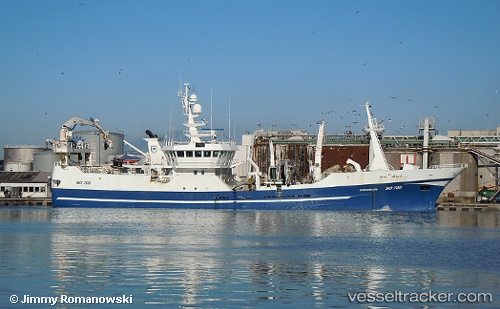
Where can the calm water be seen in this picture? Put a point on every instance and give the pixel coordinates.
(233, 259)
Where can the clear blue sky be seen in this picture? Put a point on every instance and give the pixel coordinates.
(282, 62)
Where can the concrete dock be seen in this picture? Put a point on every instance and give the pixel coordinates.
(26, 201)
(472, 207)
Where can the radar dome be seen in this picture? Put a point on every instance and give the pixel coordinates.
(197, 109)
(193, 98)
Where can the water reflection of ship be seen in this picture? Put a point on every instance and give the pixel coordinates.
(182, 256)
(188, 254)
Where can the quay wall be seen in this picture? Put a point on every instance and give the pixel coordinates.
(26, 201)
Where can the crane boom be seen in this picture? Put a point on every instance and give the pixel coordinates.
(66, 146)
(70, 125)
(135, 148)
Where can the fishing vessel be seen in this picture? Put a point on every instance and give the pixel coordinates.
(198, 174)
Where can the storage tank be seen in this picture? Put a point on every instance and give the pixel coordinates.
(19, 158)
(44, 161)
(97, 142)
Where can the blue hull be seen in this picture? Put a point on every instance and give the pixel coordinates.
(397, 197)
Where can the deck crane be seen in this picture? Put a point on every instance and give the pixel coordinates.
(66, 146)
(69, 126)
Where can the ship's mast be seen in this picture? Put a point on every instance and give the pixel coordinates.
(377, 157)
(319, 151)
(192, 110)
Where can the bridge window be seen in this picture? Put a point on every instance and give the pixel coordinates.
(197, 154)
(216, 154)
(180, 154)
(207, 154)
(189, 154)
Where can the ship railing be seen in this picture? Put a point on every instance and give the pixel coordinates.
(449, 165)
(209, 142)
(95, 169)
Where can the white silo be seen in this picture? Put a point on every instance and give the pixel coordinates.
(19, 158)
